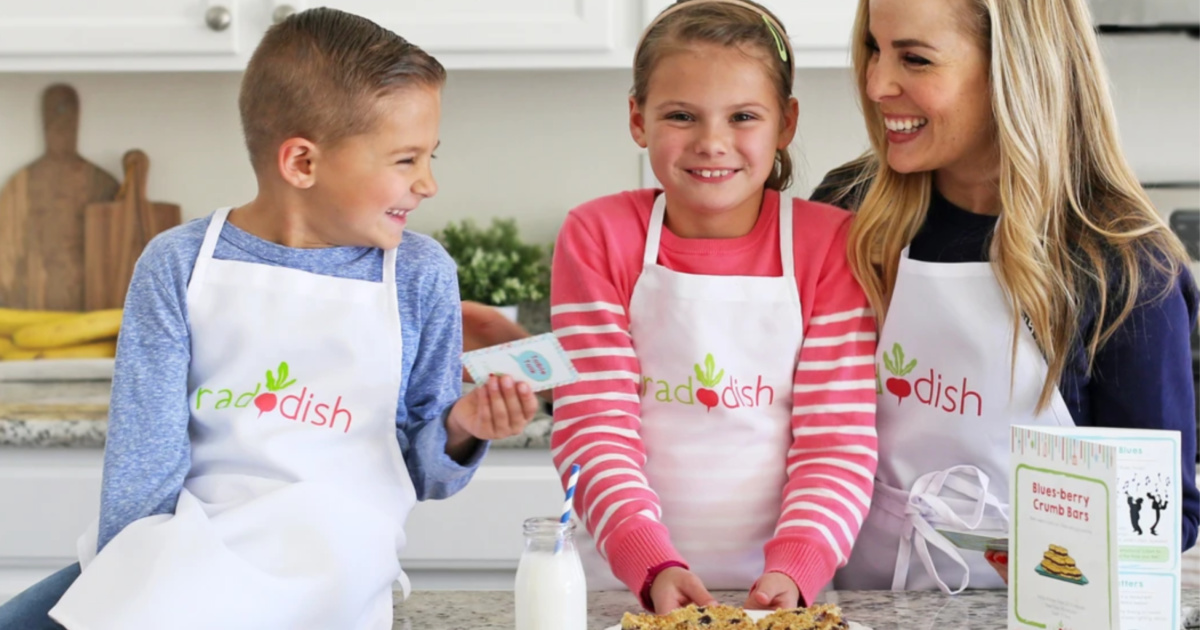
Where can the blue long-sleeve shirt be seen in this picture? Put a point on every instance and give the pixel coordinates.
(148, 453)
(1141, 378)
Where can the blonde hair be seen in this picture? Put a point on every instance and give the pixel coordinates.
(1075, 223)
(732, 23)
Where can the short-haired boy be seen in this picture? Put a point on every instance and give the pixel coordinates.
(287, 372)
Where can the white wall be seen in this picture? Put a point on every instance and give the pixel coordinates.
(533, 144)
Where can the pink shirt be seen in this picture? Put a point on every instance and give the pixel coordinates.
(832, 457)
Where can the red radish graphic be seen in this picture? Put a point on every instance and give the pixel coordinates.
(708, 397)
(266, 402)
(899, 387)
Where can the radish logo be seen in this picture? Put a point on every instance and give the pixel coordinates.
(303, 407)
(266, 402)
(932, 389)
(899, 387)
(708, 397)
(716, 388)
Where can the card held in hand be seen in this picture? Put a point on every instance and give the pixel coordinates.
(539, 361)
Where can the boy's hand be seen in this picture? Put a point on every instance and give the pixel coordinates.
(773, 591)
(676, 587)
(495, 410)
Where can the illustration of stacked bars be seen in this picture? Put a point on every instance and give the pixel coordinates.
(1057, 564)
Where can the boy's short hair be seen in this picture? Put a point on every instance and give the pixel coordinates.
(318, 74)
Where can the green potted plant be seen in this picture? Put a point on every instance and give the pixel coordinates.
(495, 267)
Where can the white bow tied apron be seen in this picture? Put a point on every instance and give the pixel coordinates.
(717, 459)
(293, 511)
(948, 394)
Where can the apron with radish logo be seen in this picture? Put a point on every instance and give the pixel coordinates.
(718, 358)
(949, 391)
(293, 510)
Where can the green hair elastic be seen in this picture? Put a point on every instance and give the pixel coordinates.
(779, 45)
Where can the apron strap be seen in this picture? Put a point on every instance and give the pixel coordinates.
(654, 230)
(211, 236)
(926, 508)
(389, 268)
(786, 250)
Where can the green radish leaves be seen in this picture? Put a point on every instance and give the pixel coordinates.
(706, 377)
(276, 383)
(895, 362)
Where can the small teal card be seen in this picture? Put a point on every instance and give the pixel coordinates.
(539, 361)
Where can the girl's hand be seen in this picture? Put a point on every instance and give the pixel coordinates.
(773, 591)
(676, 587)
(495, 410)
(999, 562)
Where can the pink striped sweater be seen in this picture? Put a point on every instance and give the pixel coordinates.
(832, 457)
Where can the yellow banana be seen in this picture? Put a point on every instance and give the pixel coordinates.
(6, 344)
(12, 319)
(96, 350)
(72, 331)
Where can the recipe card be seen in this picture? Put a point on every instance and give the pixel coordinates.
(539, 361)
(1095, 529)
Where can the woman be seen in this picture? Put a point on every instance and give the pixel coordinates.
(997, 187)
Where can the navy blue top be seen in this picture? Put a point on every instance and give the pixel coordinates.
(1140, 379)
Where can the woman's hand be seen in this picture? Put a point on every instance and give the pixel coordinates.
(676, 587)
(999, 562)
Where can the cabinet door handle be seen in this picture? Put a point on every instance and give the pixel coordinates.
(218, 18)
(282, 12)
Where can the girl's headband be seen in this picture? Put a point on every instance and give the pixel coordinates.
(782, 44)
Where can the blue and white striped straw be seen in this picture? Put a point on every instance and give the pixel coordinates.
(570, 500)
(567, 505)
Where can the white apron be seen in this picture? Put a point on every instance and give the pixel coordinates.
(946, 402)
(719, 471)
(293, 510)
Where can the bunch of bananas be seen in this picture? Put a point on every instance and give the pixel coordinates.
(26, 335)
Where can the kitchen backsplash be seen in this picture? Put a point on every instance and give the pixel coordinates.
(533, 144)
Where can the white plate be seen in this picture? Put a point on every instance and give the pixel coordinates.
(57, 370)
(759, 614)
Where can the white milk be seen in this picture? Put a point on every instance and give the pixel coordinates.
(551, 593)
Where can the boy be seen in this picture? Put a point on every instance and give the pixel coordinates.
(287, 371)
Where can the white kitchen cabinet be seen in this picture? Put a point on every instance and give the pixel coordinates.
(473, 540)
(187, 35)
(86, 35)
(489, 26)
(819, 29)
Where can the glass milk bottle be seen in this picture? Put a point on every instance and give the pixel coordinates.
(550, 590)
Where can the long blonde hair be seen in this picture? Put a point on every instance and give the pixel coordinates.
(1075, 223)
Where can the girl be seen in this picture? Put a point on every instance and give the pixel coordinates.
(724, 419)
(1007, 245)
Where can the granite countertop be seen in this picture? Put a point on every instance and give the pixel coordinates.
(74, 414)
(879, 610)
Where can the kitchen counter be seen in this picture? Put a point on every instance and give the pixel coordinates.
(74, 414)
(879, 610)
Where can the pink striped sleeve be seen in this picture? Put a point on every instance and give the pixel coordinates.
(596, 420)
(832, 460)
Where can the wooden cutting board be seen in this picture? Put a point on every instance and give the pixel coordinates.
(41, 214)
(116, 232)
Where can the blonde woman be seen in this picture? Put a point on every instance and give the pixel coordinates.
(1020, 273)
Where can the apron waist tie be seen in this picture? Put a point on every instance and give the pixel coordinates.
(923, 509)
